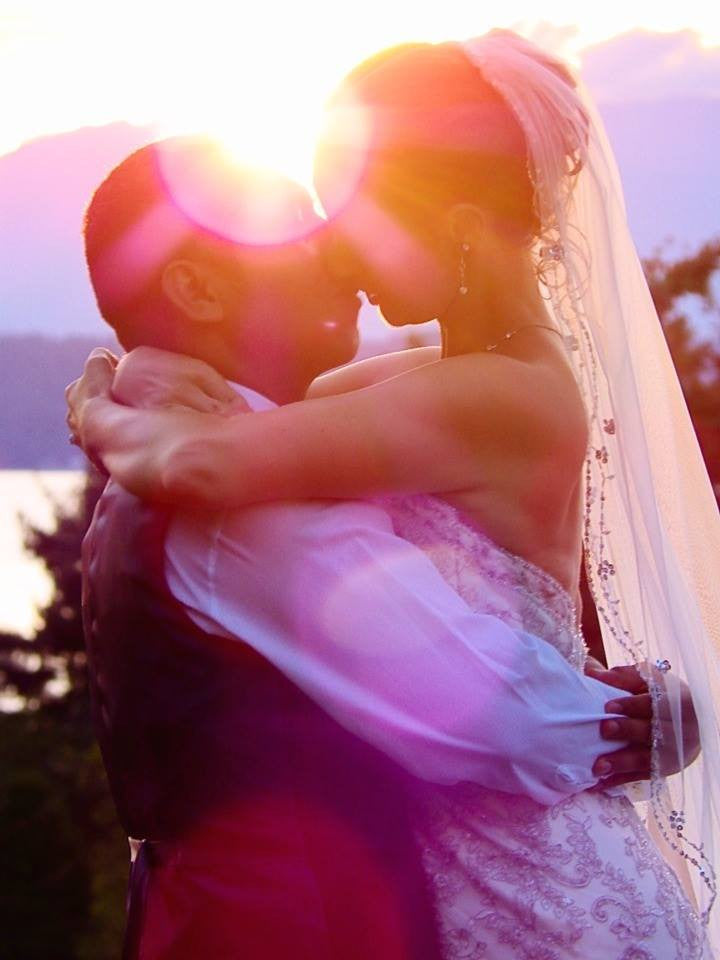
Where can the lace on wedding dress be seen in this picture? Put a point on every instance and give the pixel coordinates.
(511, 877)
(489, 577)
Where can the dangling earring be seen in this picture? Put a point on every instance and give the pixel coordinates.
(463, 266)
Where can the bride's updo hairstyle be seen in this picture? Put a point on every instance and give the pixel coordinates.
(419, 128)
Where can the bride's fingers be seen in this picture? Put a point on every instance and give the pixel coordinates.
(98, 374)
(105, 354)
(227, 405)
(70, 391)
(193, 398)
(622, 728)
(213, 384)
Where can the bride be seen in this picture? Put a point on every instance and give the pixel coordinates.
(472, 183)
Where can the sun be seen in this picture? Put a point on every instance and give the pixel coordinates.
(263, 102)
(262, 94)
(275, 133)
(256, 79)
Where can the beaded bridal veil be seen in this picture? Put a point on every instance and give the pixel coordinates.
(652, 530)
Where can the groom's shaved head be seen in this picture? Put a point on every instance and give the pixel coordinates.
(178, 198)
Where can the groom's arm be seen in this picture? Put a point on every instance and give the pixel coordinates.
(363, 622)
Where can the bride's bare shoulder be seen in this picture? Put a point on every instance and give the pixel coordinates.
(364, 373)
(535, 407)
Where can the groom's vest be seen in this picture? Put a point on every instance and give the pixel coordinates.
(274, 833)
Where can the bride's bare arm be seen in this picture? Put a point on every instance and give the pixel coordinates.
(446, 426)
(363, 373)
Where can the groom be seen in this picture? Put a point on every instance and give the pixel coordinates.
(267, 682)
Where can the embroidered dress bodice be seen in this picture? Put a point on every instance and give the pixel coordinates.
(513, 878)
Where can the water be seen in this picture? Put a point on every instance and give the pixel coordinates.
(25, 585)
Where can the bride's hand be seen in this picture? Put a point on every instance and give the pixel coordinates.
(136, 447)
(149, 378)
(94, 382)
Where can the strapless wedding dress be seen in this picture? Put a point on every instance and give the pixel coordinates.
(512, 878)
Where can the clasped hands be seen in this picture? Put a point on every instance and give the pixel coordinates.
(180, 398)
(148, 378)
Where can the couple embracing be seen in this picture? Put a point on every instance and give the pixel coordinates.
(332, 618)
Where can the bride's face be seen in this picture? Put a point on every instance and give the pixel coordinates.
(412, 275)
(384, 241)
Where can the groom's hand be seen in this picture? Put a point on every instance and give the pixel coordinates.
(634, 727)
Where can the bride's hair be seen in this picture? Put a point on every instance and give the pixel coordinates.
(440, 133)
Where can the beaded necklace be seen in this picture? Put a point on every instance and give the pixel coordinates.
(511, 333)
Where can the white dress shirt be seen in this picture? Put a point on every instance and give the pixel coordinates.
(365, 625)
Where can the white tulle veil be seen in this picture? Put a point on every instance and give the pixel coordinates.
(652, 530)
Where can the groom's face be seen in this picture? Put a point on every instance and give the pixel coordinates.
(287, 308)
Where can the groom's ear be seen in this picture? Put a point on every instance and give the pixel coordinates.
(195, 289)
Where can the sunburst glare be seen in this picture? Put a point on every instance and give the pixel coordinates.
(256, 82)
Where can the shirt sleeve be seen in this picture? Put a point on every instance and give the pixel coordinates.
(365, 625)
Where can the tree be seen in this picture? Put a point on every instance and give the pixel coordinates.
(696, 359)
(65, 858)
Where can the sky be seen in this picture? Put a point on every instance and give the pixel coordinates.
(256, 74)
